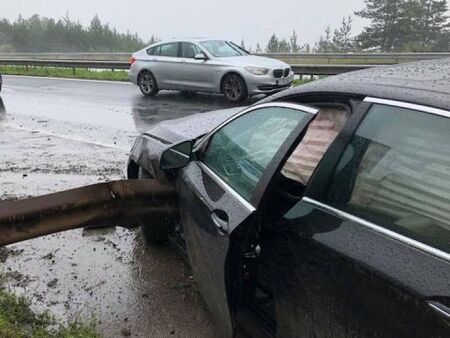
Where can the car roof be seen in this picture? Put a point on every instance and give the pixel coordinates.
(425, 83)
(192, 39)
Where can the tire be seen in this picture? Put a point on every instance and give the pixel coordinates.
(156, 231)
(147, 83)
(234, 88)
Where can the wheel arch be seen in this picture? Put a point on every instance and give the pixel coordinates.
(230, 72)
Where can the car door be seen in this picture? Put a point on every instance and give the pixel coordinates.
(367, 252)
(166, 66)
(219, 191)
(196, 74)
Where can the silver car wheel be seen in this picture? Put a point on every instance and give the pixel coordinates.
(234, 88)
(146, 83)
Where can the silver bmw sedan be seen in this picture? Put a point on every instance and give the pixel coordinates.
(205, 65)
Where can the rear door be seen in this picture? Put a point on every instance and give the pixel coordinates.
(196, 74)
(167, 65)
(220, 191)
(367, 252)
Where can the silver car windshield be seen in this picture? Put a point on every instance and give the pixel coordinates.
(221, 48)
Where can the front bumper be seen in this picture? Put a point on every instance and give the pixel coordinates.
(268, 84)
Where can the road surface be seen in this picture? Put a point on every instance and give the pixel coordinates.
(58, 134)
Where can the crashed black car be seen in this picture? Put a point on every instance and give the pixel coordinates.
(322, 211)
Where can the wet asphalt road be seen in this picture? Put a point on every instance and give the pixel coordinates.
(59, 134)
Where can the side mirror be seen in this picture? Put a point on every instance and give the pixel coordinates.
(200, 56)
(177, 156)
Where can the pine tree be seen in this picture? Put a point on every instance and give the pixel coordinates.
(258, 48)
(386, 30)
(295, 48)
(325, 45)
(243, 44)
(273, 45)
(430, 25)
(342, 40)
(284, 46)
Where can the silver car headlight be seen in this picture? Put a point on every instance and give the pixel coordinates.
(257, 70)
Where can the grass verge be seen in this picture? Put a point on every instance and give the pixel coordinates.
(17, 320)
(67, 73)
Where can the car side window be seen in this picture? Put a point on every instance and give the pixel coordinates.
(396, 173)
(189, 50)
(240, 152)
(169, 49)
(153, 50)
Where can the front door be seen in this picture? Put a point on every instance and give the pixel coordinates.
(195, 74)
(219, 191)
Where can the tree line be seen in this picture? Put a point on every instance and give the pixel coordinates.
(393, 26)
(40, 34)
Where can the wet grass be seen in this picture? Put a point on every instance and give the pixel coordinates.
(67, 73)
(17, 320)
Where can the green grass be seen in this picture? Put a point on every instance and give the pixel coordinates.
(17, 320)
(107, 75)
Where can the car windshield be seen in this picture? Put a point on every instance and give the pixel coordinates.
(221, 48)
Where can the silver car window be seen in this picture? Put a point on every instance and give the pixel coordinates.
(189, 50)
(169, 49)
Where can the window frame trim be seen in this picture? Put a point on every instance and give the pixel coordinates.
(378, 229)
(407, 105)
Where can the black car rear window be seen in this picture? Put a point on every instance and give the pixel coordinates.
(396, 173)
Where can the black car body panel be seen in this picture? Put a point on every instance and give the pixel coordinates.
(307, 268)
(148, 147)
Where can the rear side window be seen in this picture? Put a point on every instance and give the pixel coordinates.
(396, 173)
(169, 49)
(241, 151)
(153, 50)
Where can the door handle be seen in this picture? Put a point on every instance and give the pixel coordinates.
(220, 220)
(440, 309)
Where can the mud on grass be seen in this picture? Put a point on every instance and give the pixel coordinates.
(17, 320)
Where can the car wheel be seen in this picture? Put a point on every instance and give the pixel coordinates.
(147, 84)
(155, 230)
(234, 88)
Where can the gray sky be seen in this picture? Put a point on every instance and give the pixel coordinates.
(251, 20)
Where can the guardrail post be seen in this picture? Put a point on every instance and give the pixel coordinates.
(73, 70)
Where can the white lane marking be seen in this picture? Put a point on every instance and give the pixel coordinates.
(66, 137)
(65, 79)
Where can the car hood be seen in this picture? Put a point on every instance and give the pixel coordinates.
(190, 127)
(253, 61)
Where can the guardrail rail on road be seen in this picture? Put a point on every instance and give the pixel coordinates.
(302, 64)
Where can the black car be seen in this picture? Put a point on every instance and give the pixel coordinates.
(1, 82)
(322, 211)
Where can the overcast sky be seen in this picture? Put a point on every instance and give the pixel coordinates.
(251, 20)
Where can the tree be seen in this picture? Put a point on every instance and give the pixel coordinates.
(342, 40)
(405, 25)
(258, 48)
(429, 25)
(284, 46)
(243, 44)
(295, 48)
(273, 44)
(386, 30)
(325, 45)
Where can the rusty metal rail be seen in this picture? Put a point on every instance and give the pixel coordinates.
(121, 203)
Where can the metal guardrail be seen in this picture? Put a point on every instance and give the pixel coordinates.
(302, 64)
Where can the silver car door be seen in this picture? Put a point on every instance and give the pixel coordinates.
(168, 66)
(195, 74)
